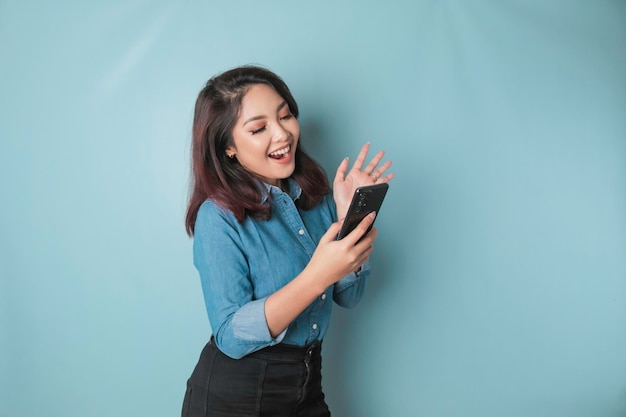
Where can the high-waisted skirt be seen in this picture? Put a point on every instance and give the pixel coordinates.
(277, 381)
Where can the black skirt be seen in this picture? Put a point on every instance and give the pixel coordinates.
(276, 381)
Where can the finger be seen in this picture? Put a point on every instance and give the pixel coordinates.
(362, 259)
(386, 178)
(340, 175)
(361, 229)
(367, 240)
(369, 169)
(380, 170)
(365, 249)
(358, 162)
(366, 255)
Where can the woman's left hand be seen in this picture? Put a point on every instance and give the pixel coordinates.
(344, 185)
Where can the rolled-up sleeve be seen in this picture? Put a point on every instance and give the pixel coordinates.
(237, 320)
(349, 290)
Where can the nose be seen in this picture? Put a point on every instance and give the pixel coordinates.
(279, 133)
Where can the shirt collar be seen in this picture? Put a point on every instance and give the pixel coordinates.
(266, 189)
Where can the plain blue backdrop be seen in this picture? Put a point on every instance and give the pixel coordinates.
(500, 268)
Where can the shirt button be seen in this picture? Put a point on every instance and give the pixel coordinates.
(323, 296)
(300, 232)
(314, 326)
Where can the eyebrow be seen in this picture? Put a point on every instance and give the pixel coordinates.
(283, 104)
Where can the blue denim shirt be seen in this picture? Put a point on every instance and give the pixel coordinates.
(241, 264)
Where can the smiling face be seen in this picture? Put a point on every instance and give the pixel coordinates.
(265, 135)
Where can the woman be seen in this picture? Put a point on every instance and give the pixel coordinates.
(264, 223)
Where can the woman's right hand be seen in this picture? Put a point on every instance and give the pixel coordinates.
(334, 259)
(331, 261)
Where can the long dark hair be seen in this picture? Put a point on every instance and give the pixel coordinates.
(224, 180)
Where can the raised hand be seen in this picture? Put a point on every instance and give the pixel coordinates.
(344, 185)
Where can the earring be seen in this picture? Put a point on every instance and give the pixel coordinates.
(231, 156)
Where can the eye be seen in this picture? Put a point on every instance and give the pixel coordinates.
(286, 116)
(259, 130)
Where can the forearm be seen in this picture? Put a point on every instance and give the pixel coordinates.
(283, 306)
(332, 260)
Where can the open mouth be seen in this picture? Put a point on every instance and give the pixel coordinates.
(281, 153)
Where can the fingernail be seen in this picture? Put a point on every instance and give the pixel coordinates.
(373, 214)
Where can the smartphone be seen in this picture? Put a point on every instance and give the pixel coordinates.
(366, 199)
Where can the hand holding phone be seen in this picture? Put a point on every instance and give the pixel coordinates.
(366, 199)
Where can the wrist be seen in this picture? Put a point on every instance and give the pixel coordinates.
(341, 212)
(314, 281)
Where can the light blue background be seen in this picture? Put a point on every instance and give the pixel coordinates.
(501, 267)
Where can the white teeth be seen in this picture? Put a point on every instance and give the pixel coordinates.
(281, 151)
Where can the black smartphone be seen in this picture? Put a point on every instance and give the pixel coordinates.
(366, 199)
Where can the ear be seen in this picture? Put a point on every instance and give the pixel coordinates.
(230, 152)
